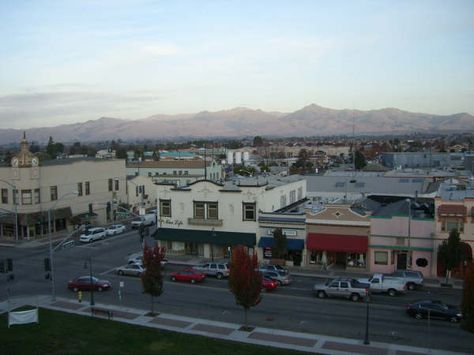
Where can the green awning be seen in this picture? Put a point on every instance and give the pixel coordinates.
(399, 247)
(202, 236)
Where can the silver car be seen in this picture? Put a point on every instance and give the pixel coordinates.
(280, 277)
(131, 269)
(218, 270)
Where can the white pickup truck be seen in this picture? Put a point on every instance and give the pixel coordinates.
(379, 283)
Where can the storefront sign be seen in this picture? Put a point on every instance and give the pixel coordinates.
(267, 253)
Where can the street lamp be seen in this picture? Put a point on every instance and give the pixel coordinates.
(213, 233)
(15, 192)
(366, 338)
(409, 231)
(53, 289)
(90, 280)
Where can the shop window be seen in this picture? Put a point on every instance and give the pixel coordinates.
(165, 208)
(26, 198)
(249, 212)
(450, 223)
(356, 260)
(381, 258)
(4, 195)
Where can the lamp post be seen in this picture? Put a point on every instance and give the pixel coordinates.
(53, 289)
(409, 231)
(366, 338)
(15, 205)
(213, 233)
(90, 279)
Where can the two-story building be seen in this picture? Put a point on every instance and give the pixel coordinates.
(206, 218)
(83, 190)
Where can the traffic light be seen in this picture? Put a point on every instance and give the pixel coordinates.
(9, 265)
(47, 264)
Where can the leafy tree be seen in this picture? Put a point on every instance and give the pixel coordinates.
(245, 281)
(360, 161)
(449, 252)
(467, 305)
(279, 244)
(302, 165)
(54, 149)
(152, 278)
(257, 141)
(244, 171)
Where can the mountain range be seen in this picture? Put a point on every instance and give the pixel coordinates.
(311, 120)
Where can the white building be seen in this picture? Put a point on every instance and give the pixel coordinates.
(206, 218)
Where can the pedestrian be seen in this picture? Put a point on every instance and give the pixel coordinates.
(79, 296)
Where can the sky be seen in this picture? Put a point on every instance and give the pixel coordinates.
(72, 61)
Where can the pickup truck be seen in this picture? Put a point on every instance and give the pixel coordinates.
(411, 278)
(344, 288)
(379, 283)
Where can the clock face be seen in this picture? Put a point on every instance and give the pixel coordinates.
(15, 162)
(34, 162)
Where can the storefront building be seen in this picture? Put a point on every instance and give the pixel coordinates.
(337, 237)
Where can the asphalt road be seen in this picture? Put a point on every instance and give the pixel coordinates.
(290, 307)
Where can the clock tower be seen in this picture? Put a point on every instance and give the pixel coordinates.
(24, 158)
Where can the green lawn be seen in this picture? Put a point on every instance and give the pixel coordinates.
(63, 333)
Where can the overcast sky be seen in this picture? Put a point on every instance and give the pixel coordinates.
(71, 61)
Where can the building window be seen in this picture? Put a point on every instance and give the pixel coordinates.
(212, 211)
(174, 172)
(79, 189)
(249, 211)
(26, 198)
(149, 174)
(292, 196)
(116, 185)
(111, 185)
(381, 258)
(180, 172)
(4, 195)
(450, 223)
(199, 210)
(87, 185)
(37, 196)
(53, 190)
(186, 172)
(165, 208)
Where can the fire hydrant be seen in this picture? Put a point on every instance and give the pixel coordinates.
(79, 296)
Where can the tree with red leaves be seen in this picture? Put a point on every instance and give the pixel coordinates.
(467, 305)
(152, 278)
(245, 281)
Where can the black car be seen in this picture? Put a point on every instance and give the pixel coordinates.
(435, 310)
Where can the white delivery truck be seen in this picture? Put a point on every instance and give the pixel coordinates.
(148, 219)
(379, 283)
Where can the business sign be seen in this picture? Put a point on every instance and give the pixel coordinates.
(23, 317)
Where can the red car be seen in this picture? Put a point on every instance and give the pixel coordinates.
(269, 284)
(187, 275)
(83, 283)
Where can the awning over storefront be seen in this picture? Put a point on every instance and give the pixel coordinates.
(399, 247)
(291, 244)
(202, 236)
(337, 242)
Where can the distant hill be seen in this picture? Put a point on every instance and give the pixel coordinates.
(312, 120)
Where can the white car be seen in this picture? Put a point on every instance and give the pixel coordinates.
(92, 234)
(131, 269)
(115, 229)
(137, 258)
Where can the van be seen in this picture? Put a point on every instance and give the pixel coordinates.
(148, 219)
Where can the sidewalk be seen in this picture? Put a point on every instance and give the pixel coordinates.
(311, 343)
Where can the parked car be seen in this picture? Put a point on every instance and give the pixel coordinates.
(190, 275)
(115, 229)
(86, 283)
(411, 278)
(131, 269)
(435, 310)
(271, 267)
(269, 284)
(379, 283)
(92, 234)
(280, 277)
(219, 270)
(341, 287)
(137, 258)
(148, 219)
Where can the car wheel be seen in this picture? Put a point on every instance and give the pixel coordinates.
(75, 289)
(321, 294)
(173, 278)
(219, 276)
(193, 281)
(99, 289)
(411, 286)
(355, 297)
(392, 292)
(120, 272)
(453, 319)
(418, 316)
